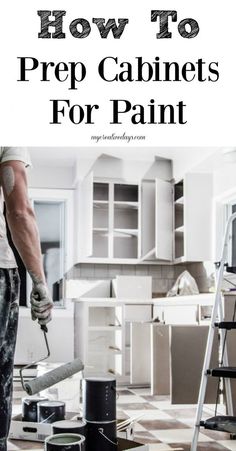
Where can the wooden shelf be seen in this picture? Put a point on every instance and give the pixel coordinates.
(180, 201)
(100, 203)
(100, 229)
(126, 205)
(122, 232)
(179, 229)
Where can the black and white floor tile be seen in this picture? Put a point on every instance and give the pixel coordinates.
(164, 427)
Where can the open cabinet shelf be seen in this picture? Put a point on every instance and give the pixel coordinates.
(115, 220)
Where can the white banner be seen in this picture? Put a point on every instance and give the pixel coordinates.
(150, 73)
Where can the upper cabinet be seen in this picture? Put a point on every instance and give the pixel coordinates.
(193, 218)
(154, 220)
(109, 220)
(157, 220)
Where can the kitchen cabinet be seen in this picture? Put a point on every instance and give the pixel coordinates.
(123, 222)
(157, 220)
(108, 220)
(151, 221)
(99, 336)
(193, 218)
(106, 340)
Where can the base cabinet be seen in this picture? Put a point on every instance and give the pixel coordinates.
(112, 338)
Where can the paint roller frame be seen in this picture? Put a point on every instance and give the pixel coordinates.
(45, 331)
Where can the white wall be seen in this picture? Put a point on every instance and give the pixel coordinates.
(51, 177)
(225, 180)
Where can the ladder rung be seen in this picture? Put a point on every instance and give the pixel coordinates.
(220, 423)
(226, 325)
(231, 269)
(223, 371)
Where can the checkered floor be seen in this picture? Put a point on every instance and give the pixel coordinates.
(163, 426)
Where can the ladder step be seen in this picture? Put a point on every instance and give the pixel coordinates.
(226, 325)
(231, 269)
(220, 423)
(223, 371)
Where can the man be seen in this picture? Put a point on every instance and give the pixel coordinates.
(24, 232)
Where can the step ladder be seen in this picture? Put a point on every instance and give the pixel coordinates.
(225, 423)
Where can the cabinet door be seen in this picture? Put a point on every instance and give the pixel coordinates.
(198, 217)
(164, 220)
(148, 205)
(85, 216)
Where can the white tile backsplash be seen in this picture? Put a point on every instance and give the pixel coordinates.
(163, 276)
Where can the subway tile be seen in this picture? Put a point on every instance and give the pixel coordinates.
(141, 270)
(101, 271)
(155, 271)
(179, 269)
(87, 271)
(114, 270)
(168, 272)
(128, 270)
(160, 285)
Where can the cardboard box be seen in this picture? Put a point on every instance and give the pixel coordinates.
(33, 432)
(37, 432)
(25, 430)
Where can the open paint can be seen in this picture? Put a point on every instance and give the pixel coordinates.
(51, 411)
(75, 427)
(29, 408)
(99, 399)
(65, 442)
(101, 436)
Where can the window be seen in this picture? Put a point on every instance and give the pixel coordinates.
(51, 223)
(54, 214)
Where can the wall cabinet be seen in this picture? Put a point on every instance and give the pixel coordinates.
(108, 220)
(123, 222)
(193, 218)
(151, 221)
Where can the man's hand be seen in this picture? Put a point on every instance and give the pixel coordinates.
(41, 303)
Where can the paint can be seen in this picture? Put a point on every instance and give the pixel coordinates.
(65, 442)
(75, 427)
(99, 399)
(51, 411)
(101, 436)
(29, 408)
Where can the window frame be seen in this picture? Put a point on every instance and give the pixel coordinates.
(56, 195)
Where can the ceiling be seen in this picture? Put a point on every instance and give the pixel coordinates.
(185, 157)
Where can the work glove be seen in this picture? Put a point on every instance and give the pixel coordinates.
(41, 303)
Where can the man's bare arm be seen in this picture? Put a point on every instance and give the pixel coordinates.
(24, 231)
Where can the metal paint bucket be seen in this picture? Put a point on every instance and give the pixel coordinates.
(65, 442)
(101, 436)
(29, 408)
(99, 399)
(75, 427)
(51, 411)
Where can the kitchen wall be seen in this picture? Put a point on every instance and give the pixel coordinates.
(163, 276)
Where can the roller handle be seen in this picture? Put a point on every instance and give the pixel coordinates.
(43, 327)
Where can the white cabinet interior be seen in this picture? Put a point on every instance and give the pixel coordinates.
(109, 225)
(108, 340)
(154, 220)
(99, 337)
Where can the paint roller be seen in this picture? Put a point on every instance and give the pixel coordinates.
(52, 377)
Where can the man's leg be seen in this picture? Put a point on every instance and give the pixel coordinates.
(9, 309)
